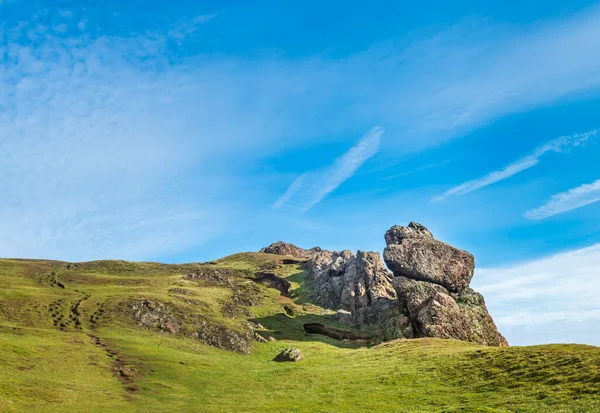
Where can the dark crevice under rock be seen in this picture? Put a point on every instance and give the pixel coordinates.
(335, 333)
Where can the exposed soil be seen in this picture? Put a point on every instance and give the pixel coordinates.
(65, 314)
(74, 312)
(54, 281)
(121, 369)
(97, 315)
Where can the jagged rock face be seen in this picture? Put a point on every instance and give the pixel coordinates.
(358, 284)
(412, 252)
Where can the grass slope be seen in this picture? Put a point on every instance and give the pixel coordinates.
(69, 343)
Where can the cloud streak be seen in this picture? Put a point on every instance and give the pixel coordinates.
(519, 297)
(567, 201)
(312, 187)
(562, 144)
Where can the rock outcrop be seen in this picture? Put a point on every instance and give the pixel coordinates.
(431, 279)
(155, 315)
(284, 248)
(426, 295)
(358, 285)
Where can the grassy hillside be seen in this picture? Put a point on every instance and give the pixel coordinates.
(124, 337)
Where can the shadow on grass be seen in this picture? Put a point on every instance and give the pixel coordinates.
(300, 292)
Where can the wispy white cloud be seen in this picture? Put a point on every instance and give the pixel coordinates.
(419, 169)
(311, 187)
(475, 73)
(566, 201)
(549, 296)
(186, 27)
(562, 144)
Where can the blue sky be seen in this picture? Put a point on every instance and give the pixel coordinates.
(186, 131)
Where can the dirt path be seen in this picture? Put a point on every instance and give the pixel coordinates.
(67, 315)
(121, 369)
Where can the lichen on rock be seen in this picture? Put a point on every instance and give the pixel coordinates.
(290, 354)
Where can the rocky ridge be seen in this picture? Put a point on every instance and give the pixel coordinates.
(426, 294)
(285, 248)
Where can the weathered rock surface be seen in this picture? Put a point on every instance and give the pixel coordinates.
(431, 281)
(434, 312)
(284, 248)
(155, 315)
(290, 354)
(397, 233)
(360, 285)
(412, 252)
(220, 336)
(473, 309)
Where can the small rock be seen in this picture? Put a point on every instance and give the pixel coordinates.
(259, 338)
(272, 339)
(255, 325)
(180, 291)
(290, 354)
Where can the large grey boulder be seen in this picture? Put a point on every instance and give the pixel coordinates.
(412, 252)
(434, 311)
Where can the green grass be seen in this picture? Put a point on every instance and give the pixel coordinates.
(44, 368)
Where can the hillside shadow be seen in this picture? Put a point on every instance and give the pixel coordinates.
(299, 291)
(284, 327)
